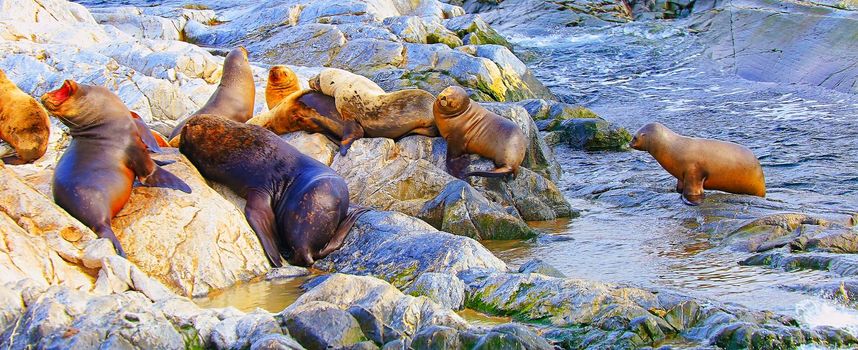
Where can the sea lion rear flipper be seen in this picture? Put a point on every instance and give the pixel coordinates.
(260, 216)
(163, 162)
(499, 172)
(146, 134)
(352, 131)
(165, 179)
(343, 230)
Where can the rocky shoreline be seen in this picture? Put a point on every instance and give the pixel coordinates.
(64, 288)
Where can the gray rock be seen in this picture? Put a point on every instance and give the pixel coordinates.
(365, 345)
(462, 210)
(395, 345)
(512, 336)
(241, 332)
(593, 134)
(319, 325)
(302, 45)
(481, 32)
(398, 248)
(368, 55)
(535, 197)
(445, 289)
(437, 338)
(276, 342)
(410, 28)
(540, 267)
(285, 272)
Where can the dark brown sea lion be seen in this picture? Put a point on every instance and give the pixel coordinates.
(378, 114)
(153, 140)
(297, 206)
(24, 124)
(94, 176)
(235, 95)
(471, 129)
(282, 82)
(700, 164)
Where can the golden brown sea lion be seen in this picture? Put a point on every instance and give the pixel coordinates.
(282, 82)
(700, 164)
(24, 124)
(379, 114)
(94, 176)
(470, 128)
(297, 206)
(235, 95)
(306, 110)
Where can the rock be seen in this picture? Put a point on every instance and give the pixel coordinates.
(477, 31)
(462, 210)
(135, 23)
(537, 17)
(370, 246)
(593, 134)
(276, 342)
(241, 332)
(320, 325)
(365, 56)
(445, 289)
(541, 267)
(317, 146)
(437, 337)
(839, 264)
(400, 314)
(512, 336)
(535, 197)
(539, 157)
(302, 45)
(365, 345)
(285, 272)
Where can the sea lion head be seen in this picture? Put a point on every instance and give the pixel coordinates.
(236, 67)
(452, 101)
(645, 135)
(282, 76)
(80, 106)
(314, 82)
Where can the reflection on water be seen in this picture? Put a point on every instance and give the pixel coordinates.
(272, 296)
(477, 318)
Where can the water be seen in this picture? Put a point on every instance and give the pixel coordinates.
(644, 72)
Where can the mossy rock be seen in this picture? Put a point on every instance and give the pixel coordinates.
(594, 134)
(475, 31)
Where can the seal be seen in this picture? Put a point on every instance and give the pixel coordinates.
(94, 176)
(282, 82)
(700, 164)
(306, 110)
(471, 129)
(234, 97)
(377, 113)
(297, 206)
(24, 124)
(153, 140)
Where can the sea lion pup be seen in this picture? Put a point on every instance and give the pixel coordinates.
(234, 97)
(24, 124)
(94, 176)
(470, 128)
(297, 206)
(379, 114)
(700, 164)
(282, 82)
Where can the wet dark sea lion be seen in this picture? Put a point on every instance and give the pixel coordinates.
(235, 95)
(700, 164)
(377, 113)
(24, 124)
(471, 129)
(94, 176)
(297, 206)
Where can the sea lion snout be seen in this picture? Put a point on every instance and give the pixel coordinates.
(53, 99)
(314, 83)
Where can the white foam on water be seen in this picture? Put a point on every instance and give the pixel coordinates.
(554, 40)
(814, 313)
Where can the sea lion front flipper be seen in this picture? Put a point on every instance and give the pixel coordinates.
(146, 134)
(343, 230)
(679, 186)
(352, 131)
(503, 171)
(165, 179)
(692, 191)
(260, 216)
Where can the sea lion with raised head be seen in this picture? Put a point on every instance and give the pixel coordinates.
(297, 206)
(378, 114)
(234, 97)
(24, 124)
(471, 129)
(94, 177)
(700, 164)
(282, 82)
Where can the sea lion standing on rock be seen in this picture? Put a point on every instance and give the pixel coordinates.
(470, 128)
(700, 164)
(24, 124)
(235, 95)
(297, 206)
(379, 114)
(94, 176)
(306, 110)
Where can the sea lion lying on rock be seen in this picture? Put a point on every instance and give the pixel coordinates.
(297, 206)
(377, 113)
(24, 124)
(306, 110)
(234, 96)
(700, 164)
(94, 176)
(471, 129)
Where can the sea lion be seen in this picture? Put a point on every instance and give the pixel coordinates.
(153, 139)
(24, 124)
(377, 113)
(700, 164)
(234, 97)
(94, 176)
(470, 128)
(297, 206)
(282, 82)
(306, 110)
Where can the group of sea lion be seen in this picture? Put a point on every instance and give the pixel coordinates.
(297, 206)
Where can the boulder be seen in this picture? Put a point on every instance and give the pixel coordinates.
(445, 289)
(319, 325)
(398, 248)
(303, 45)
(539, 157)
(541, 267)
(462, 210)
(474, 31)
(533, 196)
(593, 134)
